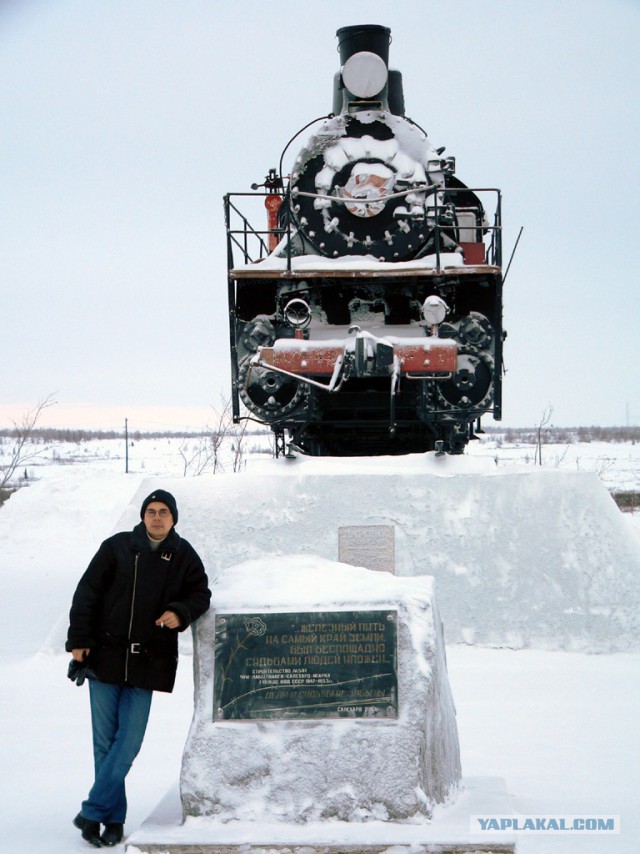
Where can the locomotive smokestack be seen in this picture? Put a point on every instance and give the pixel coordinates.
(365, 76)
(364, 37)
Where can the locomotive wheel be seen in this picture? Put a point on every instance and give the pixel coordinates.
(471, 385)
(476, 331)
(268, 393)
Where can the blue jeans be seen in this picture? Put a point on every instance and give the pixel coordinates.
(119, 716)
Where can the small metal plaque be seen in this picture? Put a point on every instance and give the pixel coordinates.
(338, 664)
(371, 546)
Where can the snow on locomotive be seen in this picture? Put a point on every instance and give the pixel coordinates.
(367, 318)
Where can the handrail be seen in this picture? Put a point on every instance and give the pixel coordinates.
(247, 230)
(241, 234)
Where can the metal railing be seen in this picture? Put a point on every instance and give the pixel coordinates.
(253, 243)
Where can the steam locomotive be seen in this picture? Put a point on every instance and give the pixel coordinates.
(366, 313)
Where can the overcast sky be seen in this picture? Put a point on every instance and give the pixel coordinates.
(124, 122)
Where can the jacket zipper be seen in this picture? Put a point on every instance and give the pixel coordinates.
(133, 597)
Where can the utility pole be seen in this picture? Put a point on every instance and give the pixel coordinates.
(126, 446)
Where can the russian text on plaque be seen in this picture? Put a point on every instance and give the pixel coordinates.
(333, 664)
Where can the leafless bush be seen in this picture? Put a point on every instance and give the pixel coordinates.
(195, 457)
(238, 448)
(23, 450)
(603, 465)
(559, 456)
(221, 445)
(544, 421)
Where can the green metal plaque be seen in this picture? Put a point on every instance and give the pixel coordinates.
(337, 664)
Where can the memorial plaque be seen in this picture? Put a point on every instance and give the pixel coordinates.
(371, 546)
(338, 664)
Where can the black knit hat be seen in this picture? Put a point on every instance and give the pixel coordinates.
(166, 498)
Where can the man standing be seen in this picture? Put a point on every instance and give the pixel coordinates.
(141, 588)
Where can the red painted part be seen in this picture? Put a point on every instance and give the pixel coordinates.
(272, 203)
(422, 356)
(473, 253)
(310, 359)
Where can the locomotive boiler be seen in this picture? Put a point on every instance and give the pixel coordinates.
(366, 313)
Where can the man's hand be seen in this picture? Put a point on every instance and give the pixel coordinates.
(80, 654)
(169, 620)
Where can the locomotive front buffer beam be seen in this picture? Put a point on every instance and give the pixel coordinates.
(367, 355)
(363, 355)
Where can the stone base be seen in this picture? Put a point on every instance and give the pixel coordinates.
(321, 769)
(446, 833)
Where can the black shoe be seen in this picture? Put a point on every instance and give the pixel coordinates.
(112, 835)
(90, 830)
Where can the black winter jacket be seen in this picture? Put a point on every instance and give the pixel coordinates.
(125, 589)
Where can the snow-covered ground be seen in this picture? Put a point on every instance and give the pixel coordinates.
(616, 463)
(561, 728)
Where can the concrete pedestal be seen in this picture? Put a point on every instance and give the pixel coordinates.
(446, 833)
(521, 558)
(352, 769)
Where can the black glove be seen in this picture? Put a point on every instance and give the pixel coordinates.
(78, 671)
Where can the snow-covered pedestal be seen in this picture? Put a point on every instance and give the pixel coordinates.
(355, 769)
(523, 557)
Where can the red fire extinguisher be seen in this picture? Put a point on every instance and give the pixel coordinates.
(272, 204)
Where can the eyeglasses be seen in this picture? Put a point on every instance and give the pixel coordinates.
(161, 513)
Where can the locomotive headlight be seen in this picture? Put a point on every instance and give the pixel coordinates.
(297, 313)
(434, 310)
(364, 74)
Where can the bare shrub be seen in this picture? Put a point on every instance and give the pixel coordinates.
(220, 445)
(544, 421)
(24, 443)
